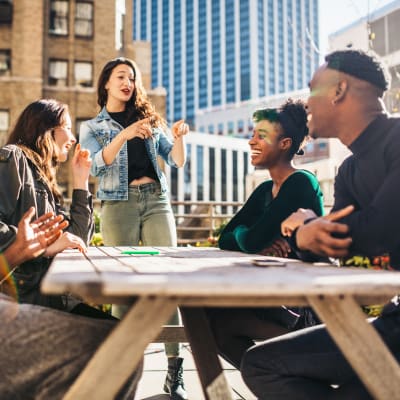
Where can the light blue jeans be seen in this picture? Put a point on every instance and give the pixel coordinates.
(147, 219)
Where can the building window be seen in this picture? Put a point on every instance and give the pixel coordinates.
(240, 127)
(231, 127)
(5, 62)
(59, 17)
(58, 72)
(83, 72)
(78, 123)
(4, 125)
(309, 147)
(6, 11)
(84, 19)
(379, 42)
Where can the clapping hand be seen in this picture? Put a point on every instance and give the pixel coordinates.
(33, 238)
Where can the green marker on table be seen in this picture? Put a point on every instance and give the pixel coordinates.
(149, 252)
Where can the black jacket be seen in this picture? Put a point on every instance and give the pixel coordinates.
(21, 187)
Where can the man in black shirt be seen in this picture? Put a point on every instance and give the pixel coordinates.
(345, 102)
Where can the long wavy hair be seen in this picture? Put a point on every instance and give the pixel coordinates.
(34, 134)
(139, 104)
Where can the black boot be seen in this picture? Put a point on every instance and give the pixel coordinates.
(174, 380)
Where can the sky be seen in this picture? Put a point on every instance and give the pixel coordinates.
(336, 14)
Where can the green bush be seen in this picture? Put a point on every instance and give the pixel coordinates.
(97, 239)
(212, 241)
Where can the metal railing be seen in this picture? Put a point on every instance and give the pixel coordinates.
(195, 220)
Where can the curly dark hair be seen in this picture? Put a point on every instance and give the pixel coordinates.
(361, 65)
(292, 117)
(139, 104)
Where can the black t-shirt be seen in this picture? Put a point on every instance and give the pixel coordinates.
(369, 179)
(139, 163)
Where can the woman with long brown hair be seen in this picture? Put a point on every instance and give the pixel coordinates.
(40, 140)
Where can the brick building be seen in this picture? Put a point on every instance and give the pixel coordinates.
(56, 49)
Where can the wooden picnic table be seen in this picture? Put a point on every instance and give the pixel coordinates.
(192, 278)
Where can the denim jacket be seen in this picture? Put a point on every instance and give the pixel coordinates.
(97, 133)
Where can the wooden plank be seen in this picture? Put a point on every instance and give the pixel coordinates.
(70, 271)
(192, 241)
(110, 259)
(193, 228)
(122, 351)
(72, 262)
(360, 343)
(203, 215)
(214, 383)
(171, 334)
(202, 278)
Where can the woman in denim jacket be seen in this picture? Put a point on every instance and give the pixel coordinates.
(125, 139)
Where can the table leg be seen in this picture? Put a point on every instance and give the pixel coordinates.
(123, 349)
(360, 343)
(212, 377)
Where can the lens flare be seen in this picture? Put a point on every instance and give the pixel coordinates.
(7, 283)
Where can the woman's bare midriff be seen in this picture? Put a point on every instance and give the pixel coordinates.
(141, 181)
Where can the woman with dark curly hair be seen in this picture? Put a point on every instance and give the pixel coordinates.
(278, 135)
(125, 139)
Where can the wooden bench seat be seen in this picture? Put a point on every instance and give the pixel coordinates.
(172, 334)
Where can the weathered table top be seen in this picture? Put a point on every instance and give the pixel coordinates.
(192, 278)
(193, 272)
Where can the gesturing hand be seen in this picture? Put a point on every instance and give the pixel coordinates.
(343, 212)
(81, 163)
(318, 235)
(33, 238)
(66, 241)
(140, 129)
(179, 129)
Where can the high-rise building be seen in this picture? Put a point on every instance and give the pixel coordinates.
(209, 53)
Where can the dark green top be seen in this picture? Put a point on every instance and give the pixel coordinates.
(258, 223)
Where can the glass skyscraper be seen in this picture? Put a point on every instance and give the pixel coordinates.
(208, 53)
